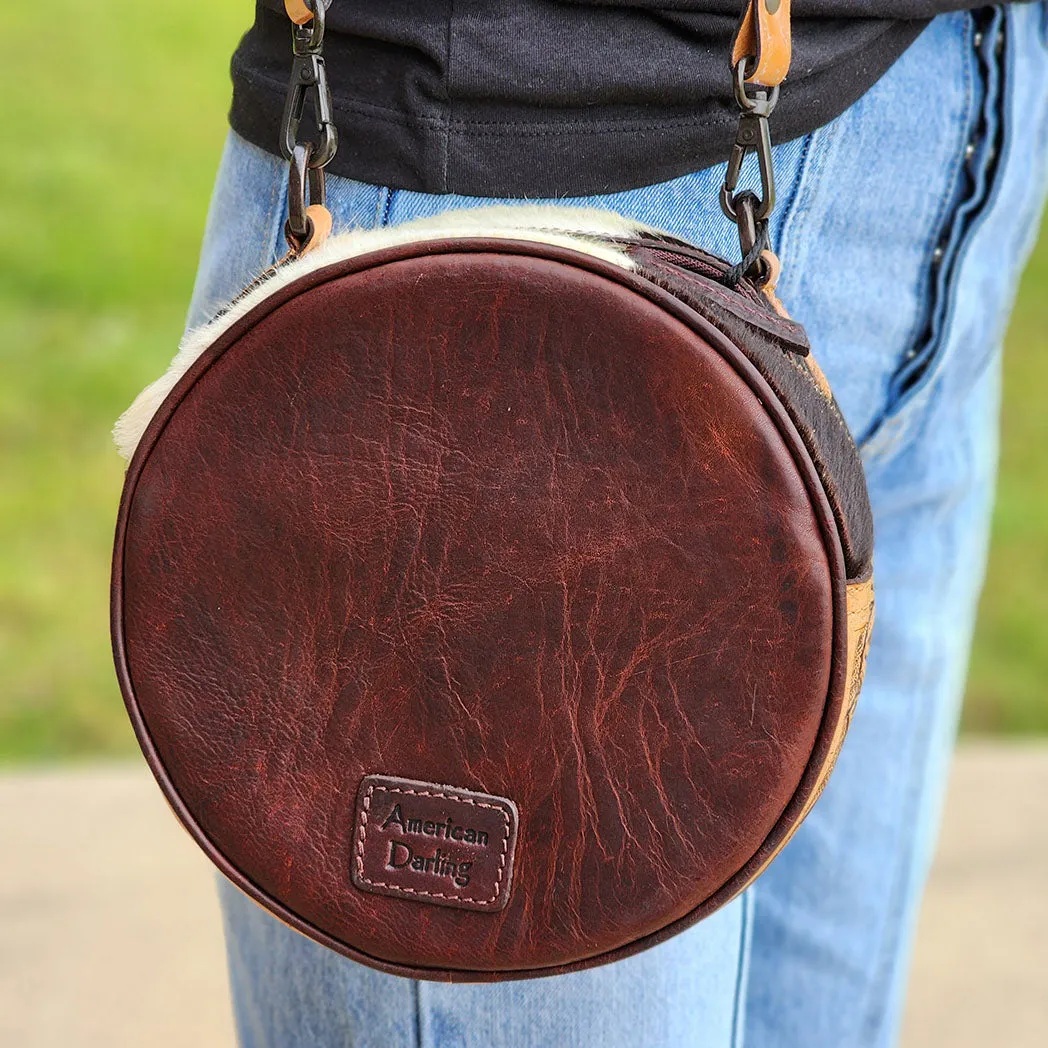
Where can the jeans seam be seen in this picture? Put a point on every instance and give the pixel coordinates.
(278, 204)
(968, 215)
(902, 406)
(417, 994)
(742, 965)
(383, 206)
(1026, 237)
(887, 415)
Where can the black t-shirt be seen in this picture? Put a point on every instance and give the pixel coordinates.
(531, 98)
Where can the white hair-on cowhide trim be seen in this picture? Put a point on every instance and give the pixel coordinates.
(582, 229)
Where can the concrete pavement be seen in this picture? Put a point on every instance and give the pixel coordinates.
(110, 935)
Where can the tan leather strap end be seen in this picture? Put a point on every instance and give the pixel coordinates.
(764, 36)
(298, 11)
(773, 269)
(319, 215)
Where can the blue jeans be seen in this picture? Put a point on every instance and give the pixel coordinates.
(903, 226)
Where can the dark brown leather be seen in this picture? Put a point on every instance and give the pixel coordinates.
(423, 841)
(773, 344)
(504, 520)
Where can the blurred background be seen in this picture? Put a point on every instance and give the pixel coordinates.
(110, 152)
(104, 185)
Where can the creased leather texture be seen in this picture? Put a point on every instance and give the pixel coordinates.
(773, 344)
(497, 517)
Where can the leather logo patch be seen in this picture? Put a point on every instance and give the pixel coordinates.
(434, 844)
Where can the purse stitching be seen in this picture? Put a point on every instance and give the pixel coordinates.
(362, 833)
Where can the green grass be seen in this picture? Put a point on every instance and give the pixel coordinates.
(1008, 686)
(111, 145)
(112, 136)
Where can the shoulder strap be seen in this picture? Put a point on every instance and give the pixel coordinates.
(764, 37)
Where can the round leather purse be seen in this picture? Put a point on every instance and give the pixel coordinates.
(491, 594)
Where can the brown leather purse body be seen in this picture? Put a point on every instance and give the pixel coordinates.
(491, 595)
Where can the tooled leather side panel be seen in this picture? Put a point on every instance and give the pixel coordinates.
(773, 347)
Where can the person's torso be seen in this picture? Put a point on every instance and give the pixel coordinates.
(546, 98)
